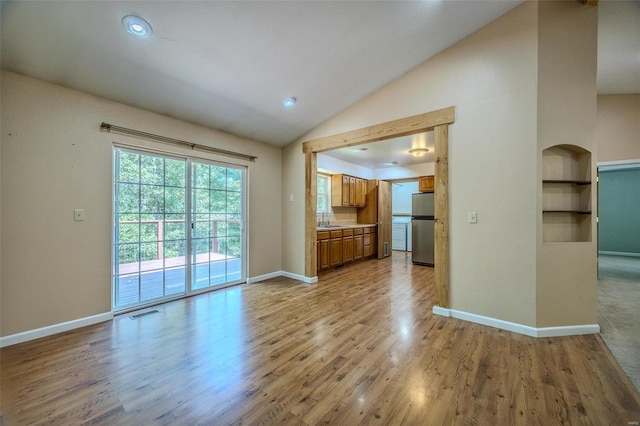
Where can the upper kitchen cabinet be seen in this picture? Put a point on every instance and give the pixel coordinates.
(426, 184)
(348, 191)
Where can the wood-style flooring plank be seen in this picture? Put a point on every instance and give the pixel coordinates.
(361, 346)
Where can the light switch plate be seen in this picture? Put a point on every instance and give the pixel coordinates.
(78, 215)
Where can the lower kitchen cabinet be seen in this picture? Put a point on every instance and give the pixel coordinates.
(357, 244)
(346, 245)
(323, 250)
(369, 242)
(335, 249)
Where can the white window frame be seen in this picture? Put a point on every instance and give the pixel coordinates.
(327, 204)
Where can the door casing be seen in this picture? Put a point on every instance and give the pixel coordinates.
(437, 121)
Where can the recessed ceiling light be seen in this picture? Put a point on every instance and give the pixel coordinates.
(137, 26)
(289, 102)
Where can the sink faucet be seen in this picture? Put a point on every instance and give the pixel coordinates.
(323, 220)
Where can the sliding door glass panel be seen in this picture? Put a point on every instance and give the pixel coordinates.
(217, 239)
(150, 227)
(175, 221)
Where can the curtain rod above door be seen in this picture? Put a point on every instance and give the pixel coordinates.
(137, 133)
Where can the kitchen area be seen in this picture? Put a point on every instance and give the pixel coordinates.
(366, 211)
(354, 222)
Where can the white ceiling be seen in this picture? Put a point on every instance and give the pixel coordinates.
(380, 155)
(618, 46)
(227, 64)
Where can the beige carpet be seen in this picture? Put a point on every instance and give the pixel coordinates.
(619, 311)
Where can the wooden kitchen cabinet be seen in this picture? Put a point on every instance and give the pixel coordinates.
(373, 239)
(347, 245)
(339, 191)
(374, 242)
(366, 242)
(352, 191)
(378, 210)
(341, 246)
(335, 249)
(369, 242)
(361, 192)
(426, 184)
(357, 244)
(322, 246)
(348, 191)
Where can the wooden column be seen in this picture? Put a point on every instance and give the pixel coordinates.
(311, 174)
(442, 216)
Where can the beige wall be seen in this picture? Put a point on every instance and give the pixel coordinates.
(55, 159)
(491, 80)
(618, 127)
(567, 272)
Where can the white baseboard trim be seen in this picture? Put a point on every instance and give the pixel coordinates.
(441, 311)
(37, 333)
(308, 280)
(618, 253)
(263, 277)
(569, 330)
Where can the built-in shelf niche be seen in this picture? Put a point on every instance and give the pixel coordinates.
(566, 194)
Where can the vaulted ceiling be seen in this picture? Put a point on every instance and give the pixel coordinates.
(228, 64)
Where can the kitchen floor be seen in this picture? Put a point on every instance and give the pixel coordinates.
(618, 302)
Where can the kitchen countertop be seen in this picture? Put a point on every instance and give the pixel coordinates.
(338, 227)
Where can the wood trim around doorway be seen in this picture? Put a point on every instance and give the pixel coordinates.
(437, 121)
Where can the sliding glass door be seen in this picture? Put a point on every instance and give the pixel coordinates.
(218, 224)
(176, 221)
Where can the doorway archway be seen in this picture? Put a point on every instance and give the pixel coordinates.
(437, 121)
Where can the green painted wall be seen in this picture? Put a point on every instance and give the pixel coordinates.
(619, 209)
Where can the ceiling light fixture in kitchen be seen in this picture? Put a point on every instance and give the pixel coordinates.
(288, 102)
(137, 26)
(418, 152)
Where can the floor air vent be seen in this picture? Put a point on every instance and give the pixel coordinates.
(136, 316)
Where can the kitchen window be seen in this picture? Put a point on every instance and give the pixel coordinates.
(323, 197)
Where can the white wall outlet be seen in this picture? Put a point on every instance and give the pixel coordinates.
(290, 197)
(78, 215)
(473, 217)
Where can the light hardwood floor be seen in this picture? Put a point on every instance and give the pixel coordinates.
(360, 346)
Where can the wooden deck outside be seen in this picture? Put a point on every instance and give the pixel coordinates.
(359, 347)
(147, 281)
